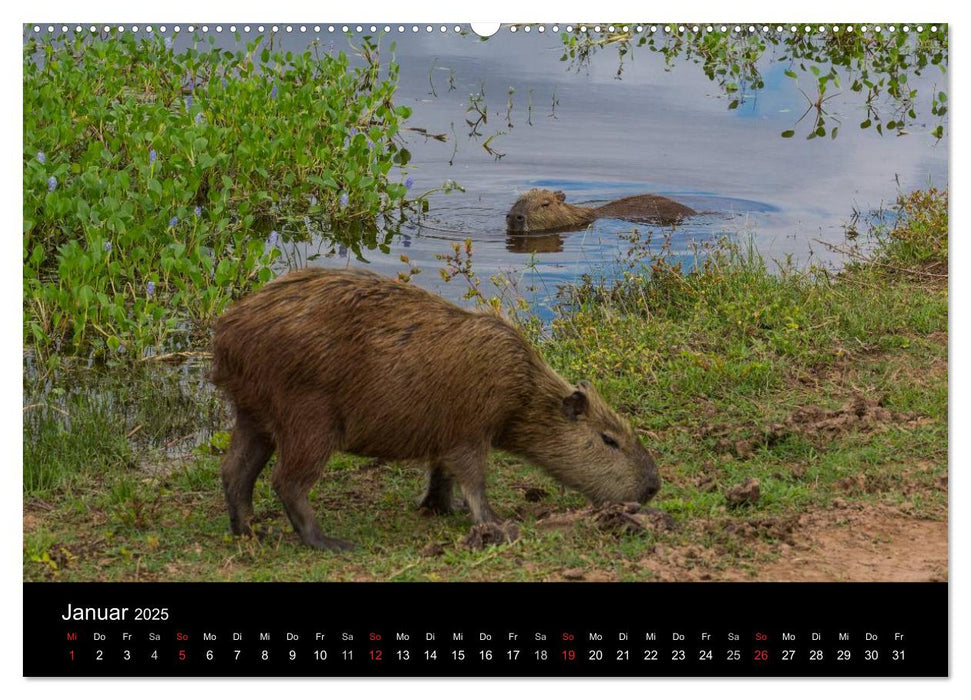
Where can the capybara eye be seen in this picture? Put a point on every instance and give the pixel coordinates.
(609, 441)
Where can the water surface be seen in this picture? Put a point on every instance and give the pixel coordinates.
(658, 129)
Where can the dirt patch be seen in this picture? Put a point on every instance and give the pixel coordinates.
(618, 518)
(865, 544)
(847, 543)
(583, 574)
(859, 414)
(746, 493)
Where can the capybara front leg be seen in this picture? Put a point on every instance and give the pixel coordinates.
(438, 493)
(295, 473)
(468, 468)
(249, 450)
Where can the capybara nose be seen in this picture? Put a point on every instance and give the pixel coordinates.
(650, 490)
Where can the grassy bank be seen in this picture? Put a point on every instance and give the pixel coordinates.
(829, 389)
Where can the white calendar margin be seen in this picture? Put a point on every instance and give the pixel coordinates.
(384, 11)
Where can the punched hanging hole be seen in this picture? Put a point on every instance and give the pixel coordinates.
(485, 29)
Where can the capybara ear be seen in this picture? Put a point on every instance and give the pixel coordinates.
(575, 405)
(585, 385)
(560, 196)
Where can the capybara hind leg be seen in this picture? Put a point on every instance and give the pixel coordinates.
(249, 450)
(468, 468)
(438, 492)
(295, 473)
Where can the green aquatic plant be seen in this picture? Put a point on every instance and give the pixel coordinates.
(152, 175)
(872, 68)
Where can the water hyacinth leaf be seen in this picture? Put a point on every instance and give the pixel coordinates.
(223, 272)
(402, 157)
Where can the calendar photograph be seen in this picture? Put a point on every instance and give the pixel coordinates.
(563, 302)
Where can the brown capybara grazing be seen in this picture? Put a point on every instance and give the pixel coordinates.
(321, 360)
(544, 210)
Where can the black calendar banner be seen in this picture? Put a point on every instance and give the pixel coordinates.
(477, 629)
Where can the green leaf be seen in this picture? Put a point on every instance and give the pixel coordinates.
(223, 271)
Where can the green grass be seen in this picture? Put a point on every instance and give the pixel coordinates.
(122, 483)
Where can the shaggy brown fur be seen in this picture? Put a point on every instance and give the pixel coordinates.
(326, 360)
(543, 210)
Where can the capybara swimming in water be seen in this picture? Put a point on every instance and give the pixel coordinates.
(544, 210)
(321, 360)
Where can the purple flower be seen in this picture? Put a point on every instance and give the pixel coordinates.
(198, 118)
(107, 246)
(272, 239)
(409, 181)
(370, 143)
(188, 103)
(224, 83)
(51, 183)
(197, 211)
(151, 157)
(173, 222)
(168, 42)
(344, 200)
(41, 158)
(273, 92)
(150, 289)
(353, 131)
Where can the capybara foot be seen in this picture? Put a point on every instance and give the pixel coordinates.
(257, 532)
(437, 506)
(485, 534)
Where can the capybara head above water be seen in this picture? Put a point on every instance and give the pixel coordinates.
(320, 361)
(544, 210)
